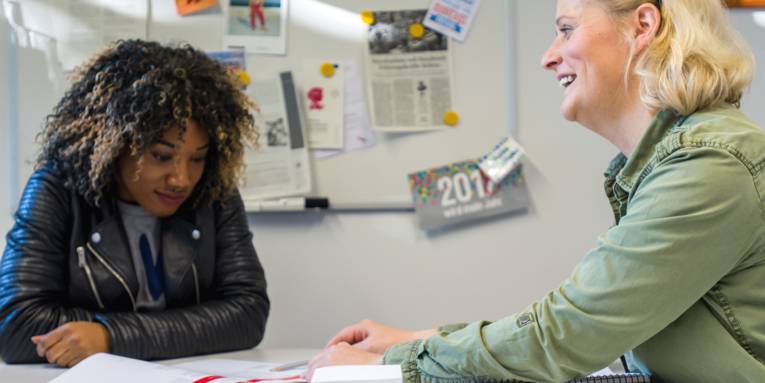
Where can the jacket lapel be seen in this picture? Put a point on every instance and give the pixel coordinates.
(107, 238)
(180, 246)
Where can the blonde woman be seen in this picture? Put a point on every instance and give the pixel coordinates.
(678, 284)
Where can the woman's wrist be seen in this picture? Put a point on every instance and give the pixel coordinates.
(424, 334)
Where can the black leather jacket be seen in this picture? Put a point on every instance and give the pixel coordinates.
(66, 260)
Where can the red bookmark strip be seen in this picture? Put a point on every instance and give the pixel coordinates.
(207, 379)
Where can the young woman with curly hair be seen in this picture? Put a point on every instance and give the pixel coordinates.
(131, 236)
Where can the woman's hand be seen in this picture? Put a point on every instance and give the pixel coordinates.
(375, 337)
(340, 354)
(72, 342)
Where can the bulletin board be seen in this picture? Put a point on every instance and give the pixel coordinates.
(376, 177)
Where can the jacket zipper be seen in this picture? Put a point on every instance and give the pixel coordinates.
(196, 281)
(83, 263)
(111, 270)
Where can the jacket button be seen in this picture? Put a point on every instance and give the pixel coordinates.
(195, 234)
(96, 237)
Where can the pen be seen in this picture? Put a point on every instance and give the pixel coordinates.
(290, 204)
(289, 366)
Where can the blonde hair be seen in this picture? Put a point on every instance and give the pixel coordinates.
(697, 60)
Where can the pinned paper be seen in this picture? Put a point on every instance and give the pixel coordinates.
(409, 80)
(357, 128)
(235, 61)
(451, 17)
(280, 165)
(503, 159)
(323, 103)
(260, 26)
(460, 192)
(368, 17)
(451, 118)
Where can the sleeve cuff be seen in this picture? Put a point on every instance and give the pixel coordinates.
(404, 354)
(450, 328)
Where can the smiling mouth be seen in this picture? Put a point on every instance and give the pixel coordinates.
(565, 81)
(169, 198)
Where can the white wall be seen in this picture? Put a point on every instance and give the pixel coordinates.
(327, 270)
(36, 97)
(6, 161)
(754, 33)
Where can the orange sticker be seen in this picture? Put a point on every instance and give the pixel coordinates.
(745, 3)
(187, 7)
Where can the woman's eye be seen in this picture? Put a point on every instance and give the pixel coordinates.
(565, 30)
(161, 157)
(198, 159)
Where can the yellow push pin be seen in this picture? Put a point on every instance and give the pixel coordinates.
(368, 17)
(416, 30)
(244, 78)
(451, 118)
(328, 69)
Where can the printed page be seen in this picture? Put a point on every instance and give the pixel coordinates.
(242, 368)
(80, 28)
(356, 125)
(452, 17)
(375, 373)
(322, 101)
(117, 369)
(259, 26)
(279, 166)
(409, 78)
(90, 24)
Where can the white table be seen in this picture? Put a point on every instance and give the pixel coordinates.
(42, 373)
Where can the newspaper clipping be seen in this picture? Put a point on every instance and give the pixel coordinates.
(409, 74)
(280, 166)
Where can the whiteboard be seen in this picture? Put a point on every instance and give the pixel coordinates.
(375, 178)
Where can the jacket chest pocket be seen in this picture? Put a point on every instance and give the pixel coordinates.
(106, 285)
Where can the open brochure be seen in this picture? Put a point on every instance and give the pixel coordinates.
(118, 369)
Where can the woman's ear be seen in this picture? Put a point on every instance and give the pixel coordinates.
(646, 21)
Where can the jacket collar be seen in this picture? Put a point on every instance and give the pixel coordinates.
(626, 171)
(178, 243)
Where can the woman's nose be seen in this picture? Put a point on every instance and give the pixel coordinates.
(179, 179)
(551, 58)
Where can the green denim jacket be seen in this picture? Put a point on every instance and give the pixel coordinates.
(679, 280)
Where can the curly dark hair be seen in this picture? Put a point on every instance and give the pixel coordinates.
(125, 97)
